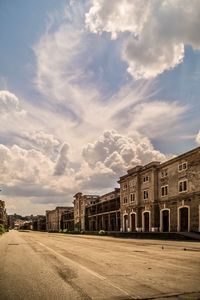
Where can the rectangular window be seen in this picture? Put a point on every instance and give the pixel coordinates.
(145, 195)
(164, 190)
(132, 197)
(182, 166)
(145, 178)
(183, 186)
(164, 173)
(124, 186)
(125, 200)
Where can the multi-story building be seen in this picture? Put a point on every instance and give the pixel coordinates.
(53, 218)
(67, 220)
(162, 197)
(80, 202)
(105, 213)
(3, 215)
(179, 193)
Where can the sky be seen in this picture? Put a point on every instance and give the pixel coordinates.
(89, 89)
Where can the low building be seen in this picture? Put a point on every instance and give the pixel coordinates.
(162, 197)
(104, 214)
(22, 224)
(39, 223)
(80, 202)
(53, 218)
(67, 220)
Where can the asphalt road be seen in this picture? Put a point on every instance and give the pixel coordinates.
(36, 266)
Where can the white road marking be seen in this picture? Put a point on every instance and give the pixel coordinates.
(89, 271)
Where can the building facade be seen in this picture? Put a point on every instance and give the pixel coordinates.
(105, 213)
(80, 202)
(179, 193)
(162, 197)
(39, 223)
(53, 218)
(67, 220)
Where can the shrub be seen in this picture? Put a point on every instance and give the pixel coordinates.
(65, 230)
(102, 232)
(2, 229)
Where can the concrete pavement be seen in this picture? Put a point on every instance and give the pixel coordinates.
(35, 265)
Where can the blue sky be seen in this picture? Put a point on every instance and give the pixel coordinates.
(91, 88)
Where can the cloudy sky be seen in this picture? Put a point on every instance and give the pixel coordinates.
(89, 89)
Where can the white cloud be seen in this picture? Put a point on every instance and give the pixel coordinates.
(33, 174)
(62, 161)
(156, 31)
(47, 143)
(198, 138)
(18, 164)
(9, 104)
(118, 152)
(38, 163)
(63, 77)
(154, 118)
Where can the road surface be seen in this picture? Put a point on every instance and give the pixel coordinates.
(36, 265)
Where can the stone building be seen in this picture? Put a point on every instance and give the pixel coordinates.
(3, 215)
(67, 219)
(53, 218)
(179, 193)
(105, 213)
(80, 202)
(39, 223)
(162, 197)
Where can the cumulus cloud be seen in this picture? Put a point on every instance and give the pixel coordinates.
(39, 140)
(118, 152)
(9, 104)
(109, 157)
(30, 173)
(18, 164)
(37, 163)
(156, 31)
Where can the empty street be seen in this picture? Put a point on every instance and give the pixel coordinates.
(35, 265)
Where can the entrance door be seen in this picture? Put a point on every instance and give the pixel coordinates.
(146, 221)
(126, 223)
(133, 222)
(165, 220)
(113, 224)
(106, 224)
(183, 215)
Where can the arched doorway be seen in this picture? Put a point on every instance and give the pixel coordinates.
(126, 223)
(133, 220)
(184, 219)
(146, 219)
(165, 220)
